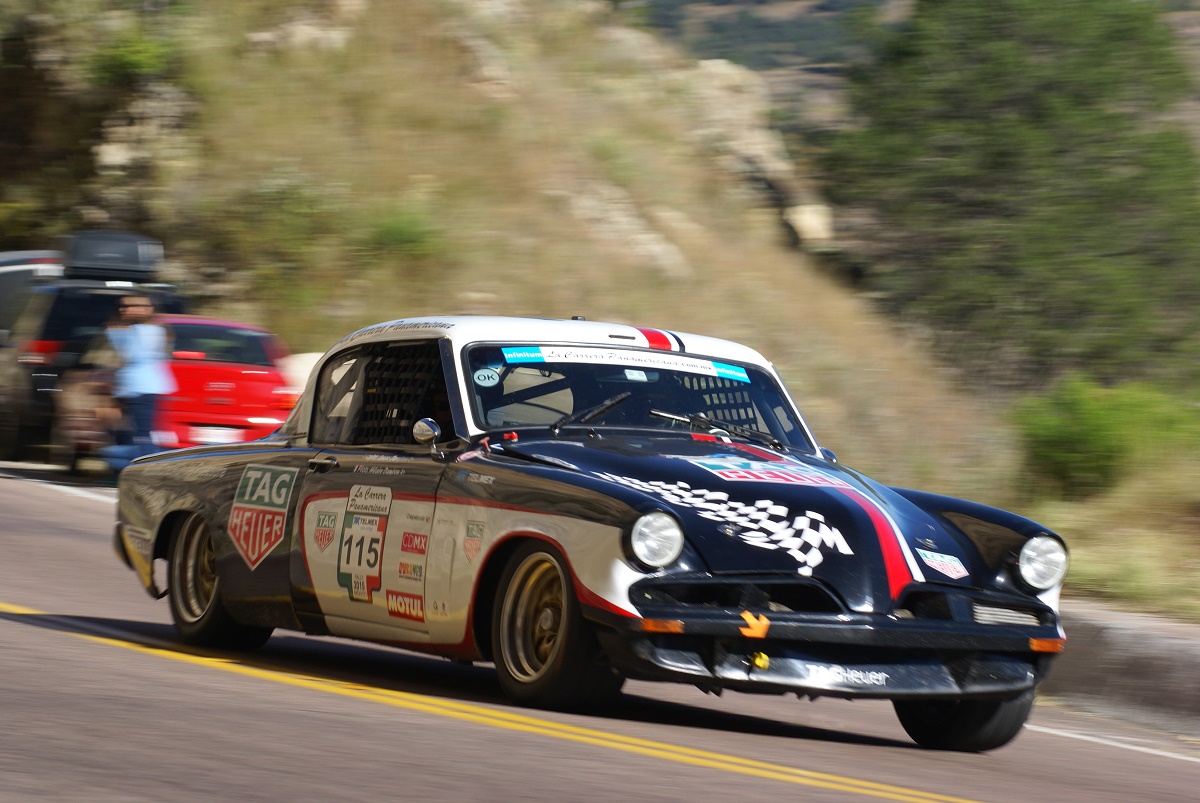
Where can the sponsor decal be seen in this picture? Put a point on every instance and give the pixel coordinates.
(763, 524)
(411, 571)
(259, 513)
(416, 543)
(665, 360)
(326, 525)
(374, 499)
(834, 675)
(405, 606)
(736, 469)
(946, 564)
(360, 555)
(473, 540)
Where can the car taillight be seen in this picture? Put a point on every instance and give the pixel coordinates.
(285, 398)
(39, 352)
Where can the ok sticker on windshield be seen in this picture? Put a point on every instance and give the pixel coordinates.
(486, 377)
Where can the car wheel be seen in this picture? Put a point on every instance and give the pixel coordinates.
(970, 726)
(545, 652)
(195, 593)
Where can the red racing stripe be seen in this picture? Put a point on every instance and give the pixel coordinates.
(657, 339)
(894, 564)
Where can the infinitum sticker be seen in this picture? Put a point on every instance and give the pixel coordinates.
(259, 513)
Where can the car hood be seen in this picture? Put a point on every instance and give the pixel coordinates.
(749, 509)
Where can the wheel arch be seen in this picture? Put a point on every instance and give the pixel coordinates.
(484, 598)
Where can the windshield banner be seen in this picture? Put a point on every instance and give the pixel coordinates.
(642, 359)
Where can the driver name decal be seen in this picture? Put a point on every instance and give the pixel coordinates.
(259, 513)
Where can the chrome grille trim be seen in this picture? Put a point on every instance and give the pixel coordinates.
(992, 615)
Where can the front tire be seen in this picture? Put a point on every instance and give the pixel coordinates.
(194, 590)
(545, 652)
(969, 726)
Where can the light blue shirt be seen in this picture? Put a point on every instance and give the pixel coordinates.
(143, 350)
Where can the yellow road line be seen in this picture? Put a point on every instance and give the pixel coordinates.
(518, 722)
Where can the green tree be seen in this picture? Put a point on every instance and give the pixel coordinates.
(1037, 207)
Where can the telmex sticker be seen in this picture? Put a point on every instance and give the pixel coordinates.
(641, 359)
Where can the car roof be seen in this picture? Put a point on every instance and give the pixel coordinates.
(462, 330)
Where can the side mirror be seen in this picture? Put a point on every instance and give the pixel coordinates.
(426, 431)
(828, 455)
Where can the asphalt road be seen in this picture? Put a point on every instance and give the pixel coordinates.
(99, 702)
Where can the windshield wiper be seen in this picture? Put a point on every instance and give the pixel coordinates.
(584, 416)
(703, 422)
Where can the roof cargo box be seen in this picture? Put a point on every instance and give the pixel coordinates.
(120, 255)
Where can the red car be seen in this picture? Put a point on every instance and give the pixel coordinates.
(230, 389)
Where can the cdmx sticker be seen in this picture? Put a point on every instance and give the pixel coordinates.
(259, 512)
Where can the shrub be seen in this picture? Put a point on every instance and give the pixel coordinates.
(129, 59)
(1072, 437)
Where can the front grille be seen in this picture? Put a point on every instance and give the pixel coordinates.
(764, 595)
(992, 615)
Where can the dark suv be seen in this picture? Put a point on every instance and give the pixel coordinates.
(49, 321)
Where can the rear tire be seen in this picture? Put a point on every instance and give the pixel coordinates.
(194, 590)
(545, 652)
(969, 726)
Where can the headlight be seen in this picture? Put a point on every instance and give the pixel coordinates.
(1043, 562)
(656, 539)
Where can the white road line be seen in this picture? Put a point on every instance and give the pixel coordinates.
(1112, 743)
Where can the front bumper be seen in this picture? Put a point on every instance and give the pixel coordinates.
(843, 654)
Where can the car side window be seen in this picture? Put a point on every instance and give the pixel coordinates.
(375, 394)
(400, 382)
(337, 403)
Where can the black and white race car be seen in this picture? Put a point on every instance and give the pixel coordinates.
(582, 502)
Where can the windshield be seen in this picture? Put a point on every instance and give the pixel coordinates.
(563, 386)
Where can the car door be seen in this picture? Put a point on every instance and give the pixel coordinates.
(367, 502)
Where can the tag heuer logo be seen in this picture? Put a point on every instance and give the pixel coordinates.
(326, 524)
(473, 540)
(259, 513)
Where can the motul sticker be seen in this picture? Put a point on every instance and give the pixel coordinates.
(946, 564)
(405, 606)
(326, 524)
(473, 540)
(259, 514)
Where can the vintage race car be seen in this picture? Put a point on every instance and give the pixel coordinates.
(582, 502)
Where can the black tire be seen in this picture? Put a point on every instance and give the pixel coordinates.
(969, 726)
(546, 654)
(194, 591)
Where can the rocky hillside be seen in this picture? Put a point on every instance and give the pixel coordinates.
(320, 165)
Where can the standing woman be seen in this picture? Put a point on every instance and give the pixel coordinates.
(143, 377)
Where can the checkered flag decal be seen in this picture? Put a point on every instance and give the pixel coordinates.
(763, 524)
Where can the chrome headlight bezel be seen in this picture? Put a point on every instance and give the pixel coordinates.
(655, 540)
(1042, 562)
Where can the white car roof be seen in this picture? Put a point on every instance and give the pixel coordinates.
(466, 329)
